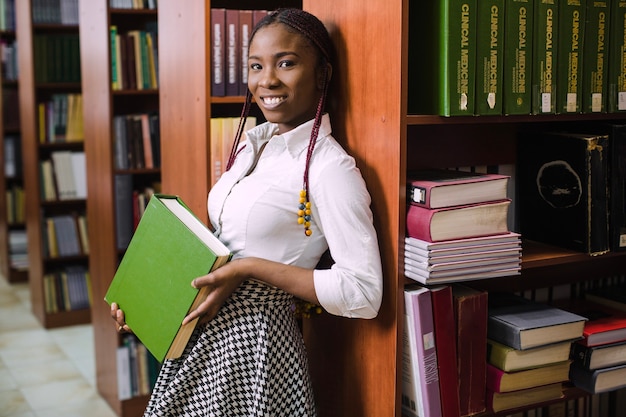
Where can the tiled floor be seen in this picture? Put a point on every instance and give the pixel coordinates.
(44, 373)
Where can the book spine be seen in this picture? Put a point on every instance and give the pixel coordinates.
(494, 378)
(232, 52)
(581, 355)
(489, 56)
(496, 355)
(518, 40)
(596, 58)
(245, 25)
(545, 49)
(617, 56)
(504, 333)
(617, 218)
(418, 223)
(572, 15)
(218, 51)
(598, 198)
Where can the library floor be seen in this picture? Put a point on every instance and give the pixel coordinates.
(44, 373)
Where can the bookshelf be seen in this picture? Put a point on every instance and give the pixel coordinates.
(12, 185)
(356, 364)
(38, 87)
(106, 104)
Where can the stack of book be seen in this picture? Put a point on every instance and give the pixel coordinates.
(457, 227)
(528, 351)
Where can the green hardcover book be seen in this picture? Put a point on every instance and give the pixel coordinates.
(518, 42)
(572, 15)
(152, 284)
(545, 47)
(490, 57)
(596, 57)
(442, 57)
(617, 57)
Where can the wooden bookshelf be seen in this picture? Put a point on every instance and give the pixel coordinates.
(31, 92)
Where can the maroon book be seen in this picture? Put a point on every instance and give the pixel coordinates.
(218, 51)
(233, 48)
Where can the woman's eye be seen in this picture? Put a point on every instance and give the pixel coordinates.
(284, 64)
(255, 67)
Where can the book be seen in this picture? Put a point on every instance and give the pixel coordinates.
(509, 359)
(604, 324)
(500, 401)
(232, 46)
(596, 57)
(617, 56)
(470, 314)
(500, 381)
(523, 324)
(545, 50)
(447, 40)
(457, 222)
(571, 30)
(489, 56)
(423, 385)
(218, 52)
(445, 343)
(617, 192)
(437, 188)
(598, 380)
(462, 246)
(518, 58)
(600, 356)
(246, 19)
(169, 248)
(563, 188)
(492, 252)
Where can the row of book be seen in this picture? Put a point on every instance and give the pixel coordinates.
(134, 59)
(68, 289)
(61, 119)
(63, 176)
(133, 4)
(64, 12)
(137, 369)
(517, 57)
(130, 203)
(15, 201)
(137, 141)
(18, 249)
(65, 235)
(57, 58)
(223, 130)
(8, 55)
(7, 15)
(457, 226)
(231, 30)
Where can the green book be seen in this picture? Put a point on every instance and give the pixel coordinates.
(545, 48)
(617, 57)
(518, 41)
(572, 15)
(442, 57)
(490, 56)
(596, 57)
(152, 284)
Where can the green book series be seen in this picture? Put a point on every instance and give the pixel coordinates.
(545, 48)
(518, 42)
(596, 57)
(152, 284)
(617, 57)
(490, 57)
(442, 58)
(572, 15)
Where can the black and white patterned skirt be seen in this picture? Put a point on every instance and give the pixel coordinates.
(249, 361)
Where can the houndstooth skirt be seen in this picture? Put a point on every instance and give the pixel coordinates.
(249, 361)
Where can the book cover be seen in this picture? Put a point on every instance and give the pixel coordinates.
(500, 381)
(436, 188)
(545, 49)
(509, 359)
(523, 324)
(460, 246)
(617, 56)
(518, 42)
(169, 248)
(444, 35)
(457, 222)
(245, 30)
(218, 52)
(489, 56)
(470, 313)
(598, 380)
(508, 400)
(563, 189)
(596, 57)
(571, 30)
(445, 342)
(423, 351)
(233, 46)
(601, 356)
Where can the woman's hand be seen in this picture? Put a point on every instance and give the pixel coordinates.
(222, 283)
(120, 323)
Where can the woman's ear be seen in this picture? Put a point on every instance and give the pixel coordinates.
(324, 74)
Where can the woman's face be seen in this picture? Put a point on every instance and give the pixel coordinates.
(283, 76)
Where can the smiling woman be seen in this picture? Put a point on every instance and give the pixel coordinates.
(290, 193)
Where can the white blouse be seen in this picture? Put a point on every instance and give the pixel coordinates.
(255, 215)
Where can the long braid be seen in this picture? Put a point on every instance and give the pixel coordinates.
(242, 122)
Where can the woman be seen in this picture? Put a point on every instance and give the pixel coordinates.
(290, 192)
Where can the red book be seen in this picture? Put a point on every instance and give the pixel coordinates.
(457, 222)
(604, 325)
(232, 52)
(245, 30)
(436, 188)
(470, 312)
(218, 52)
(445, 331)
